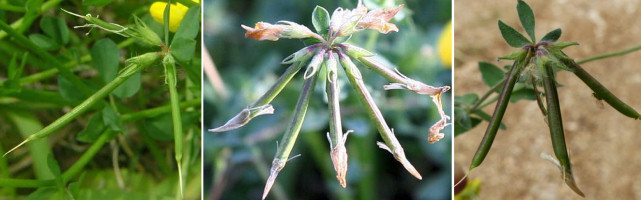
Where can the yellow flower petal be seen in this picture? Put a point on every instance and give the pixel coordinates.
(176, 14)
(445, 45)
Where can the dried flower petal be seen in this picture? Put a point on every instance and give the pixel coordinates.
(344, 21)
(273, 32)
(339, 159)
(414, 85)
(264, 31)
(378, 19)
(434, 133)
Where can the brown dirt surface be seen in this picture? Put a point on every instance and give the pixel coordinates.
(604, 145)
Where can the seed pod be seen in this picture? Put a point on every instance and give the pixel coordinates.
(335, 135)
(499, 111)
(391, 143)
(556, 128)
(313, 66)
(600, 92)
(291, 133)
(261, 106)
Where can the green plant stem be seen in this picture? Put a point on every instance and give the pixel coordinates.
(12, 8)
(539, 100)
(187, 3)
(494, 88)
(85, 105)
(555, 124)
(393, 145)
(86, 157)
(499, 111)
(174, 99)
(18, 23)
(25, 183)
(166, 18)
(53, 71)
(157, 111)
(618, 53)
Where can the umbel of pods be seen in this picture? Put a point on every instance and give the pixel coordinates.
(538, 63)
(328, 51)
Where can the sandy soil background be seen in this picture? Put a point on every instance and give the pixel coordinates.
(605, 146)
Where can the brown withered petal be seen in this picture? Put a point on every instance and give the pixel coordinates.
(339, 159)
(414, 85)
(378, 19)
(264, 31)
(435, 131)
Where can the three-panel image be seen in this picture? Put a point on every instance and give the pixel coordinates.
(346, 100)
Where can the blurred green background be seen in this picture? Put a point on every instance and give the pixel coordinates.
(236, 163)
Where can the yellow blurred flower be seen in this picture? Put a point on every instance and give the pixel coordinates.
(445, 45)
(176, 13)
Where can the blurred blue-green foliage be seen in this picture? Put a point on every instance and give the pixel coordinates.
(237, 162)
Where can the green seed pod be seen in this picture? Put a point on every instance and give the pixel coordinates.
(555, 124)
(499, 111)
(600, 91)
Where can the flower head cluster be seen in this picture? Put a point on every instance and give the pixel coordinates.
(328, 51)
